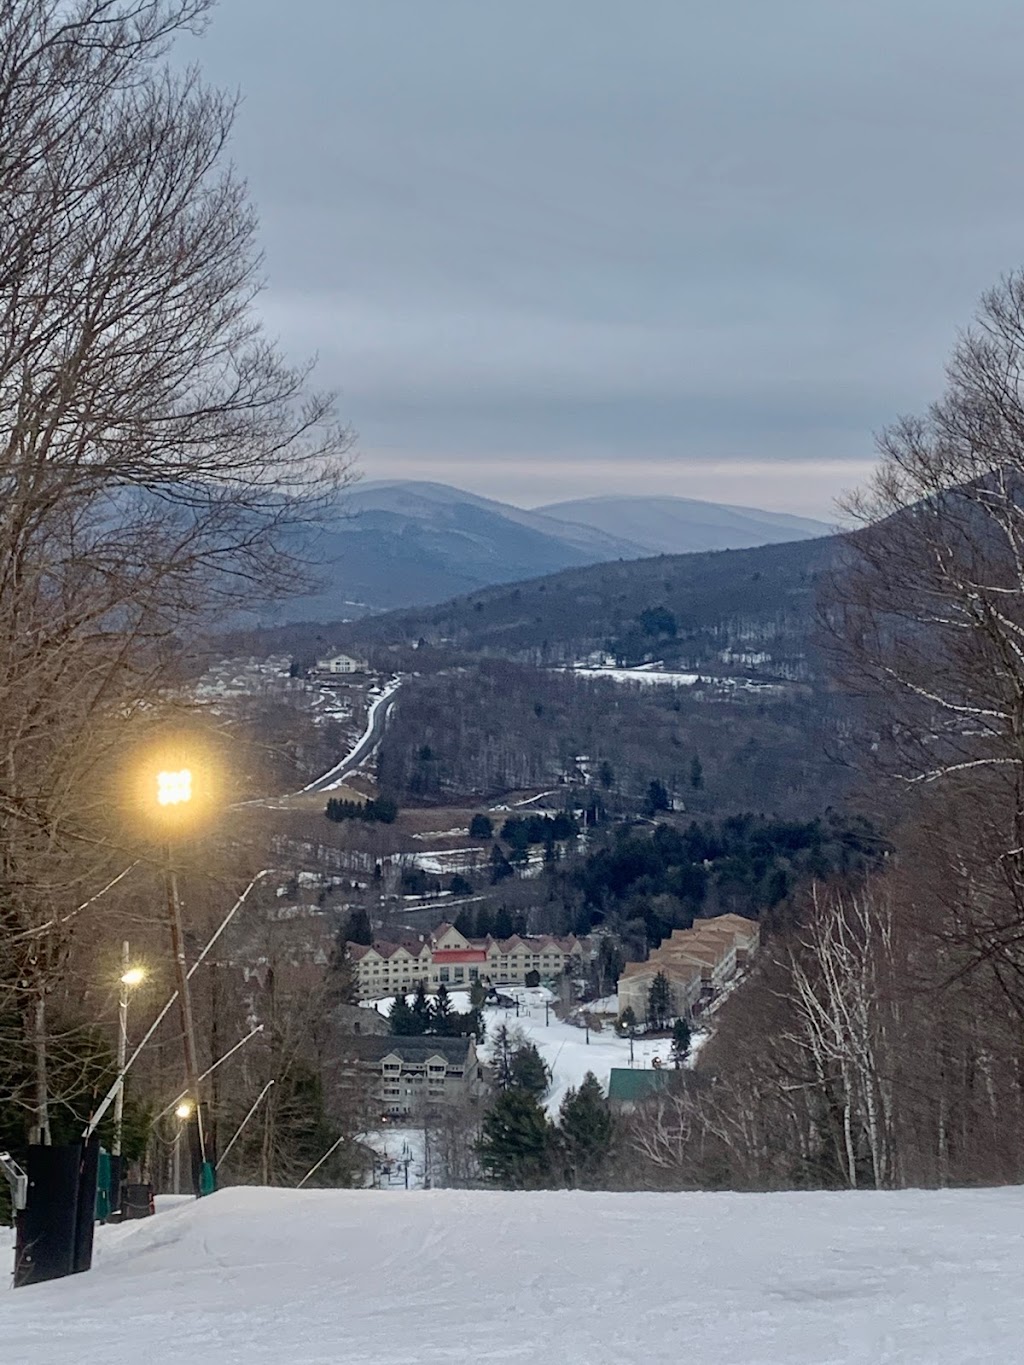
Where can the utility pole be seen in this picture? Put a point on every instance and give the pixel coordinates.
(122, 1050)
(184, 1002)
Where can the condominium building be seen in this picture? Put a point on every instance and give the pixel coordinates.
(414, 1075)
(697, 963)
(447, 957)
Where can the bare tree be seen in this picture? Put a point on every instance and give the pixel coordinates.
(158, 458)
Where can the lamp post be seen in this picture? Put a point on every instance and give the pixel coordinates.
(183, 1113)
(130, 976)
(173, 790)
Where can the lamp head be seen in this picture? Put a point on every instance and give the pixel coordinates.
(134, 976)
(174, 788)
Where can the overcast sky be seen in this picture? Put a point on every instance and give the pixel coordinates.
(563, 247)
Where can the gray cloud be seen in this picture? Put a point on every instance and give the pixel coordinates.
(572, 246)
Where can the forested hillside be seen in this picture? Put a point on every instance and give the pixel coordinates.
(492, 727)
(685, 609)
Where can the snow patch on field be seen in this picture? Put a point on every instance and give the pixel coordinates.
(263, 1277)
(564, 1047)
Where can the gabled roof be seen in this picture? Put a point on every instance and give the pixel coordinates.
(385, 948)
(416, 1049)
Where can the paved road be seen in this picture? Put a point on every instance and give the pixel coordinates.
(363, 749)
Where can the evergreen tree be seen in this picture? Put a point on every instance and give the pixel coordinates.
(659, 1001)
(503, 927)
(628, 1018)
(516, 1147)
(477, 994)
(464, 922)
(585, 1125)
(696, 773)
(657, 798)
(441, 1013)
(484, 922)
(502, 1054)
(359, 928)
(421, 1009)
(461, 886)
(529, 1071)
(680, 1042)
(481, 827)
(500, 866)
(606, 775)
(403, 1022)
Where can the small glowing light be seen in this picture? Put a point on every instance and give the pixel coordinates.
(134, 976)
(184, 1110)
(172, 789)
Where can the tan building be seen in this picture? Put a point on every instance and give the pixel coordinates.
(697, 962)
(449, 958)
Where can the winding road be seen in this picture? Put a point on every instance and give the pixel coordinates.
(377, 719)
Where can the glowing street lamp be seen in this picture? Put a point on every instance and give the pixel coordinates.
(174, 788)
(183, 1113)
(175, 791)
(130, 976)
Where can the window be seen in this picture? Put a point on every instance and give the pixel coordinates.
(444, 974)
(459, 974)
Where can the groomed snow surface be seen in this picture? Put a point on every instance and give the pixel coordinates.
(274, 1277)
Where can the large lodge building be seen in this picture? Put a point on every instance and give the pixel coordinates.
(449, 958)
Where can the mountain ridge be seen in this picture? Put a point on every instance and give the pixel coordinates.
(406, 543)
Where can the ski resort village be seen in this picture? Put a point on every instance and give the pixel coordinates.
(511, 683)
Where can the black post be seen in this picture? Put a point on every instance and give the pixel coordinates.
(54, 1234)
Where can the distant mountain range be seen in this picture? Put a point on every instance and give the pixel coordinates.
(411, 543)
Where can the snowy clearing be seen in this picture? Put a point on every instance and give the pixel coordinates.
(564, 1047)
(275, 1277)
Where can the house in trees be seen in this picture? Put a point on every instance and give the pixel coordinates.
(341, 664)
(409, 1076)
(697, 962)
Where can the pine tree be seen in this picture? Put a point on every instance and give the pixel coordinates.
(359, 928)
(500, 866)
(503, 924)
(442, 1017)
(484, 922)
(585, 1125)
(529, 1071)
(401, 1018)
(657, 798)
(628, 1018)
(680, 1042)
(481, 827)
(696, 773)
(477, 995)
(501, 1057)
(421, 1010)
(659, 1001)
(517, 1144)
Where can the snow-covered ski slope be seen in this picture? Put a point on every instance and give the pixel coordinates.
(272, 1277)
